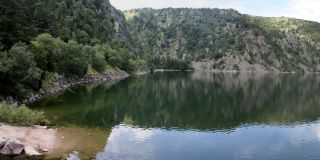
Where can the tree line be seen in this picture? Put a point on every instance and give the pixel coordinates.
(24, 67)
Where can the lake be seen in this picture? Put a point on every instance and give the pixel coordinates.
(193, 115)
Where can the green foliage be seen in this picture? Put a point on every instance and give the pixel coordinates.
(77, 20)
(18, 71)
(114, 57)
(16, 22)
(122, 57)
(54, 55)
(74, 37)
(74, 62)
(199, 33)
(47, 80)
(48, 52)
(98, 62)
(278, 27)
(156, 62)
(27, 68)
(217, 34)
(82, 37)
(21, 115)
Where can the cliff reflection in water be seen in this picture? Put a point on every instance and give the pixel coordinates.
(200, 101)
(195, 115)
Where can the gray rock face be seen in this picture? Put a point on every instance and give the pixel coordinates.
(12, 147)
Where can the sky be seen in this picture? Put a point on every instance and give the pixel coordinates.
(302, 9)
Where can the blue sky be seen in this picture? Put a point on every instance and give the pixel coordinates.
(303, 9)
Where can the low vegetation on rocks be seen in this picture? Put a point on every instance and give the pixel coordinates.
(21, 116)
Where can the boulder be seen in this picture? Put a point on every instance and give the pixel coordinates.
(2, 142)
(12, 147)
(32, 151)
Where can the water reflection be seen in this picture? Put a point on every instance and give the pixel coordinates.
(201, 101)
(251, 142)
(198, 115)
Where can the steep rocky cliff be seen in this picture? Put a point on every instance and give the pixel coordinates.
(218, 39)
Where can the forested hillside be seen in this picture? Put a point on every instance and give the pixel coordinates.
(72, 38)
(84, 21)
(221, 39)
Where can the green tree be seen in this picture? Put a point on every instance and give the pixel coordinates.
(74, 61)
(19, 72)
(47, 51)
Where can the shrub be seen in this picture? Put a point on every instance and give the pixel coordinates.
(74, 62)
(21, 116)
(98, 62)
(18, 71)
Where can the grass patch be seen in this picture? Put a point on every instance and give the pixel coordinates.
(21, 116)
(92, 71)
(109, 68)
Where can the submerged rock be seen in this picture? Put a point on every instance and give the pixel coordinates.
(12, 147)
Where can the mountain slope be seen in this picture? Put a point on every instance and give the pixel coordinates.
(85, 21)
(40, 39)
(226, 40)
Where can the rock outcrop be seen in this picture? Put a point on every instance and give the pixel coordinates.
(60, 83)
(2, 142)
(26, 142)
(12, 147)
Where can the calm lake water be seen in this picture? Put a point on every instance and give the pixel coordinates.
(196, 116)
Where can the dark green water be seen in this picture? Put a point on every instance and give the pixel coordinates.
(197, 115)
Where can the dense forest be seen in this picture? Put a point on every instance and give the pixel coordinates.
(227, 40)
(68, 37)
(74, 38)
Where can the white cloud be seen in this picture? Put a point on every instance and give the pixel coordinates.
(303, 9)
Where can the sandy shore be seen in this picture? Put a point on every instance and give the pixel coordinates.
(33, 137)
(60, 141)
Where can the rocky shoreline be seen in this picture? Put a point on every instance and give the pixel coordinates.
(60, 84)
(14, 147)
(24, 142)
